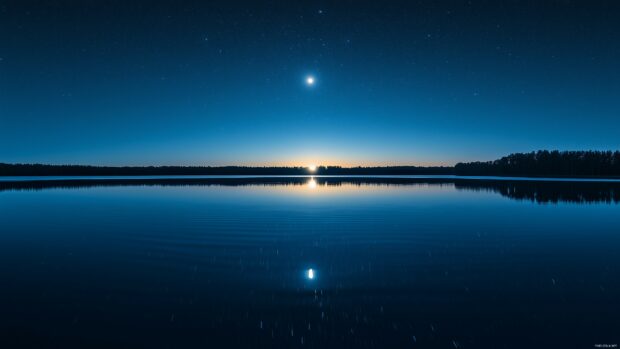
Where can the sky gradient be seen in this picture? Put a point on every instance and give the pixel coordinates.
(223, 83)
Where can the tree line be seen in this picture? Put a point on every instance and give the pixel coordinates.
(540, 163)
(547, 163)
(79, 170)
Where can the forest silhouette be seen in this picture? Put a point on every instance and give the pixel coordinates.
(541, 163)
(545, 163)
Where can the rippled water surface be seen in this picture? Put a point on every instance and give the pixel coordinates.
(310, 262)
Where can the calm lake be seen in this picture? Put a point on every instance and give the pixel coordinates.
(309, 262)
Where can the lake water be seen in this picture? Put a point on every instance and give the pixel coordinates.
(309, 262)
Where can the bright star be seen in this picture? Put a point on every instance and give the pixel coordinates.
(310, 80)
(310, 273)
(312, 168)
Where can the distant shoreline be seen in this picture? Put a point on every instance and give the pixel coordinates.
(5, 178)
(77, 170)
(541, 164)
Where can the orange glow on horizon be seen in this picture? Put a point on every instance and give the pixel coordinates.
(312, 165)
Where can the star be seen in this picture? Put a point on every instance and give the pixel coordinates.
(310, 80)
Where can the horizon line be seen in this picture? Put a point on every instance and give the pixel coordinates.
(223, 166)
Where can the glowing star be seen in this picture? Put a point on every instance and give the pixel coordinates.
(310, 274)
(310, 80)
(312, 168)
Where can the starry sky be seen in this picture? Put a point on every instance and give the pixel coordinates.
(225, 82)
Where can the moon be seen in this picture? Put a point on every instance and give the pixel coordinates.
(310, 80)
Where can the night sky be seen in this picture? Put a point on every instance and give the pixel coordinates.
(218, 83)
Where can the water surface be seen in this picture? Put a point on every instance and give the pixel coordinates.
(396, 262)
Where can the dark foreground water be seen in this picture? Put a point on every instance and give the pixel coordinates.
(299, 262)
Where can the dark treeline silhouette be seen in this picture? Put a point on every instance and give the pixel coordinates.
(547, 163)
(77, 170)
(542, 163)
(538, 191)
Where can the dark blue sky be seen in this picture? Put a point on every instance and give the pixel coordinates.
(215, 83)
